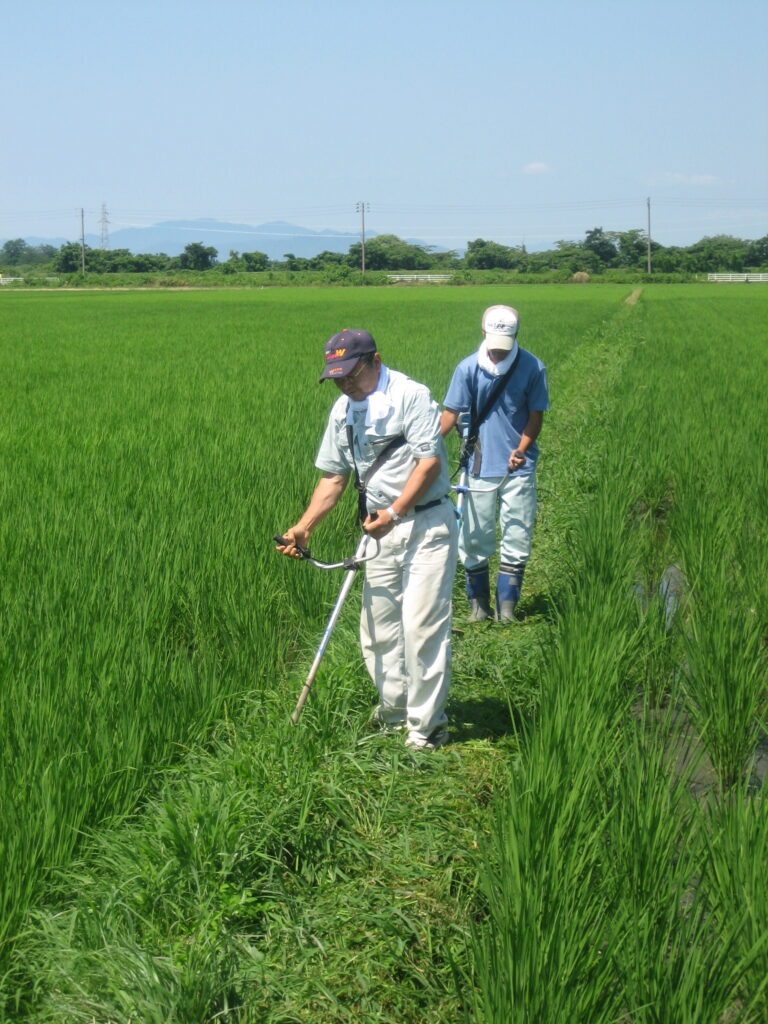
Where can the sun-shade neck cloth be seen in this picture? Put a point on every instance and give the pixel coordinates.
(377, 405)
(486, 363)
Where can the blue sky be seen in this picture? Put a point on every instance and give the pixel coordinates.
(518, 122)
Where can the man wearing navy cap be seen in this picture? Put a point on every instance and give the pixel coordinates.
(384, 429)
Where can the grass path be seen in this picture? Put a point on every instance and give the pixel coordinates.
(323, 873)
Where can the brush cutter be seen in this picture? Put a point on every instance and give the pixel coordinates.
(350, 565)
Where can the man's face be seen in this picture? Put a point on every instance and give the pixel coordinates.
(362, 381)
(497, 354)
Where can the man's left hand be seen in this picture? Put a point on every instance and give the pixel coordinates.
(516, 460)
(378, 524)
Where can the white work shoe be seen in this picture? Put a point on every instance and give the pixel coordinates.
(379, 723)
(437, 738)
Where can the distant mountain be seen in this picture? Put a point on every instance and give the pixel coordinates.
(275, 238)
(171, 237)
(35, 242)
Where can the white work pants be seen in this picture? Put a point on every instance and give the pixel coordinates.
(516, 503)
(405, 624)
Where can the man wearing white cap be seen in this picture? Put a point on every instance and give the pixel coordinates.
(502, 389)
(384, 429)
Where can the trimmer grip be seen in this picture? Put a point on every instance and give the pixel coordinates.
(284, 542)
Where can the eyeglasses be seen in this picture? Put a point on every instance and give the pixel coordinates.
(350, 377)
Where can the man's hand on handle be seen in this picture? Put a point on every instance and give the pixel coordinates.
(296, 538)
(378, 524)
(516, 460)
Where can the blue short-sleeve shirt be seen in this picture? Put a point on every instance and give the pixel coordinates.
(526, 391)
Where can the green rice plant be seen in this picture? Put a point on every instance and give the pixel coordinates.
(660, 655)
(135, 540)
(670, 963)
(542, 955)
(726, 676)
(661, 590)
(726, 687)
(713, 524)
(737, 893)
(751, 557)
(544, 951)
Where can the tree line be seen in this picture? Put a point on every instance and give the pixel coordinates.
(599, 251)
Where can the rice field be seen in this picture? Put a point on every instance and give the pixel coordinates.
(592, 845)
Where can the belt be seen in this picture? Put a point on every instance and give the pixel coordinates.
(429, 504)
(423, 508)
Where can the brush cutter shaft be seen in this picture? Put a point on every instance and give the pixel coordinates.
(462, 489)
(485, 490)
(345, 589)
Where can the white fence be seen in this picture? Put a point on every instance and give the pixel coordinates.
(421, 278)
(738, 278)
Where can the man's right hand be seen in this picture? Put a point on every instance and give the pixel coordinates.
(516, 460)
(296, 538)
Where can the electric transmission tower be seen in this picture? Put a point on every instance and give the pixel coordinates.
(104, 222)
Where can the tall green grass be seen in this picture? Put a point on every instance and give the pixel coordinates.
(586, 851)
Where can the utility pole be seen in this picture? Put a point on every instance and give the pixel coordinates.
(361, 208)
(104, 222)
(82, 239)
(648, 202)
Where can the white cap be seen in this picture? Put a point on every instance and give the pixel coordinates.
(500, 324)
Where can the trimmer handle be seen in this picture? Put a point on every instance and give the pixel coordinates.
(284, 542)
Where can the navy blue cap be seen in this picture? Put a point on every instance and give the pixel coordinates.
(344, 350)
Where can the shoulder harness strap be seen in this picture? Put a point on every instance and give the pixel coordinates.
(381, 458)
(476, 418)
